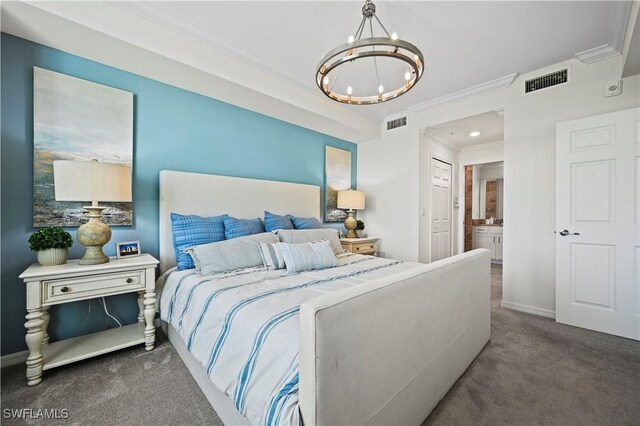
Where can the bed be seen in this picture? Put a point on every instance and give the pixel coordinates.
(379, 342)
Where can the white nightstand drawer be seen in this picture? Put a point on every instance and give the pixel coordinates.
(63, 290)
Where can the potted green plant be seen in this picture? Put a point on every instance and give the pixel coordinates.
(52, 245)
(359, 228)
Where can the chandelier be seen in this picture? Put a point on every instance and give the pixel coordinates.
(359, 71)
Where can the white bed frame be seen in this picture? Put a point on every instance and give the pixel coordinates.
(385, 352)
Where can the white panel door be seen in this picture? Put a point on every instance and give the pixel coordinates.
(440, 210)
(597, 220)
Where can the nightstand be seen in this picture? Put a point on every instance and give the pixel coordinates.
(359, 245)
(54, 285)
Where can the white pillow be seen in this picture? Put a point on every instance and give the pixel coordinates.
(271, 256)
(308, 256)
(230, 255)
(308, 235)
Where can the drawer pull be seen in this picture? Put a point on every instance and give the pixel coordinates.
(64, 289)
(129, 280)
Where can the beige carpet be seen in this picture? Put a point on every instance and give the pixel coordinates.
(532, 372)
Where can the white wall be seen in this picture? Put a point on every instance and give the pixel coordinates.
(529, 156)
(388, 174)
(529, 151)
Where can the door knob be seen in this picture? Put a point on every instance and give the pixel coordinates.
(566, 232)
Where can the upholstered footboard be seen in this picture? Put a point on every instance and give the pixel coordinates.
(388, 351)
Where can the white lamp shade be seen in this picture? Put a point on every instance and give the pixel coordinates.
(351, 200)
(91, 181)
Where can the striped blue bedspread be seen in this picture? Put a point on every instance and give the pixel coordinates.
(243, 327)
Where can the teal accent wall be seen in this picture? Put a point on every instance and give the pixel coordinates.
(173, 129)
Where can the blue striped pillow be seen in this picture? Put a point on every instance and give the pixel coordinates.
(273, 222)
(234, 228)
(230, 255)
(306, 223)
(307, 256)
(191, 230)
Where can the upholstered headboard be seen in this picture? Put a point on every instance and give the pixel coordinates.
(211, 195)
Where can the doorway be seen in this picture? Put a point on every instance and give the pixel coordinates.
(473, 147)
(484, 207)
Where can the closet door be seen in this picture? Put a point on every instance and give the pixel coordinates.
(440, 209)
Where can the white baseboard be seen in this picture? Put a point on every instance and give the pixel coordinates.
(547, 313)
(13, 359)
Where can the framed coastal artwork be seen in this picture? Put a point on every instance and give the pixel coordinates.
(337, 177)
(76, 119)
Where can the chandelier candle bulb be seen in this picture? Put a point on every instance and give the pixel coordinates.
(394, 36)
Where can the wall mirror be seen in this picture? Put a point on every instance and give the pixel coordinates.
(488, 191)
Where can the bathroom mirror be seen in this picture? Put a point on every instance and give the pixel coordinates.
(488, 191)
(491, 196)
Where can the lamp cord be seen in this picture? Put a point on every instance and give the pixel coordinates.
(106, 311)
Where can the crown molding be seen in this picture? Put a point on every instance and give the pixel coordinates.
(620, 13)
(482, 146)
(480, 89)
(426, 133)
(597, 54)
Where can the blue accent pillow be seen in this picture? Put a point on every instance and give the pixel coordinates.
(191, 230)
(306, 223)
(234, 228)
(273, 222)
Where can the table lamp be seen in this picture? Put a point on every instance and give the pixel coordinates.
(351, 200)
(92, 181)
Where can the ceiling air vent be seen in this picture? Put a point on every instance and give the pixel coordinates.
(398, 122)
(545, 81)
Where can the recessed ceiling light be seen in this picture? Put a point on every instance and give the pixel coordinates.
(474, 134)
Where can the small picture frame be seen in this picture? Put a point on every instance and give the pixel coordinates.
(128, 249)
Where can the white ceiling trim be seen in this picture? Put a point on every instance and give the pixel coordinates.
(426, 133)
(482, 146)
(596, 54)
(489, 86)
(621, 11)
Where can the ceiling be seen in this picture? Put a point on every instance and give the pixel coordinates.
(464, 43)
(456, 133)
(272, 48)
